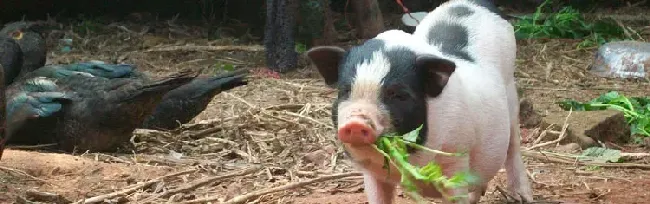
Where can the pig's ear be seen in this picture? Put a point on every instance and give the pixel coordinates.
(436, 72)
(327, 59)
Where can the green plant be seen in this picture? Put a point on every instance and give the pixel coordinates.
(568, 23)
(300, 48)
(224, 67)
(635, 109)
(394, 149)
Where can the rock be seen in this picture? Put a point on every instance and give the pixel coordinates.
(528, 118)
(587, 127)
(317, 157)
(568, 148)
(622, 59)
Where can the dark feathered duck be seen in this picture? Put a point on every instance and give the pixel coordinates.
(33, 110)
(102, 112)
(182, 104)
(31, 42)
(89, 69)
(109, 110)
(11, 58)
(178, 106)
(3, 116)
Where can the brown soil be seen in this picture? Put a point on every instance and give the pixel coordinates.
(284, 126)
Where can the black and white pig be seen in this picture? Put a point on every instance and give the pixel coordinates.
(455, 75)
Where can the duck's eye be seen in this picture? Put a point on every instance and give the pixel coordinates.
(17, 35)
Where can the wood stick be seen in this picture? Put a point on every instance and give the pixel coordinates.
(254, 194)
(553, 158)
(132, 188)
(202, 182)
(252, 48)
(563, 134)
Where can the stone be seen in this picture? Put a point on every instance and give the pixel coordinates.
(587, 127)
(528, 118)
(317, 157)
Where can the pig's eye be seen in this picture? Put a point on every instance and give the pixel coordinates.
(396, 94)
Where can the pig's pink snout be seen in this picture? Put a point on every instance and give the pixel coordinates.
(357, 132)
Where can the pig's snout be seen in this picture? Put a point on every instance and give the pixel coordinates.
(357, 131)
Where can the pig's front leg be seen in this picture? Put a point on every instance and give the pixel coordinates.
(517, 178)
(476, 195)
(449, 169)
(377, 191)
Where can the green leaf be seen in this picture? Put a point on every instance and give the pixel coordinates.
(394, 150)
(413, 135)
(599, 154)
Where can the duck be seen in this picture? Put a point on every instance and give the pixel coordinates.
(3, 135)
(182, 104)
(11, 59)
(33, 109)
(31, 41)
(178, 106)
(97, 112)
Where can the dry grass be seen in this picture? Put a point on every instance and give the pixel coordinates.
(275, 133)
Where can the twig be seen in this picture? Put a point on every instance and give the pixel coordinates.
(306, 118)
(202, 182)
(132, 188)
(23, 173)
(254, 194)
(563, 134)
(252, 48)
(555, 159)
(634, 155)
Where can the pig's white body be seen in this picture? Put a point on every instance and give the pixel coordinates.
(491, 38)
(476, 111)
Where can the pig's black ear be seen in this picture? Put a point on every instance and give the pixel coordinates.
(435, 72)
(327, 59)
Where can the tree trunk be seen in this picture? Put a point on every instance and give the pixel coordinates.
(369, 21)
(329, 31)
(279, 39)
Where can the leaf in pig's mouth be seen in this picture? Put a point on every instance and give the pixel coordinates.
(393, 147)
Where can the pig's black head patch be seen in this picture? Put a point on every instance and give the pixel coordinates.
(406, 79)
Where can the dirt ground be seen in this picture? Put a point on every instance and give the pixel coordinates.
(278, 131)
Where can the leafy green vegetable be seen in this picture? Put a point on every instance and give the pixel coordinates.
(394, 149)
(568, 23)
(599, 154)
(635, 109)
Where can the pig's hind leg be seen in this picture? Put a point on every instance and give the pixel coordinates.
(515, 169)
(377, 191)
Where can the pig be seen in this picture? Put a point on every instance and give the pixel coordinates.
(454, 76)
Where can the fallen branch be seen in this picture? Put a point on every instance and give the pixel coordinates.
(202, 182)
(25, 174)
(563, 134)
(557, 159)
(132, 188)
(252, 48)
(634, 155)
(254, 194)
